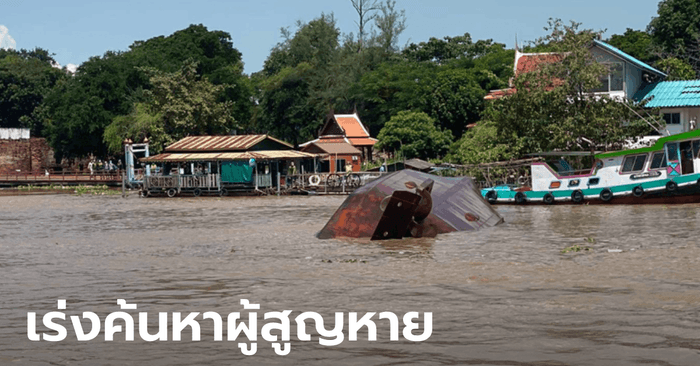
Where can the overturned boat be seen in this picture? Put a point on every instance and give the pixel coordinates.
(411, 204)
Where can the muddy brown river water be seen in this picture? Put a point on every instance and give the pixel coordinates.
(501, 296)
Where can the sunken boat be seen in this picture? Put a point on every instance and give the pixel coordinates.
(411, 204)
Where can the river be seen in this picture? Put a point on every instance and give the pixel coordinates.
(502, 296)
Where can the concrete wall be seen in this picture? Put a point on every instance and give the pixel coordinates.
(26, 155)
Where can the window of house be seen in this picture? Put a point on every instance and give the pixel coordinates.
(634, 163)
(658, 161)
(613, 81)
(672, 118)
(340, 165)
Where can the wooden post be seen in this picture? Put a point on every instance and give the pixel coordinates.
(279, 180)
(123, 188)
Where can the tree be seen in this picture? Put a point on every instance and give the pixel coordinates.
(391, 23)
(301, 81)
(179, 104)
(676, 69)
(26, 77)
(366, 12)
(677, 30)
(637, 44)
(481, 145)
(414, 135)
(109, 86)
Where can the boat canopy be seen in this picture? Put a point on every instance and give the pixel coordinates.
(659, 145)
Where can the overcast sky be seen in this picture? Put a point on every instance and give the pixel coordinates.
(76, 30)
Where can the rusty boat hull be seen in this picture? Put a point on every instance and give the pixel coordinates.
(409, 203)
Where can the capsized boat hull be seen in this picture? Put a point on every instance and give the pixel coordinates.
(456, 206)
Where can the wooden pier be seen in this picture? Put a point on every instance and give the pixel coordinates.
(262, 184)
(110, 178)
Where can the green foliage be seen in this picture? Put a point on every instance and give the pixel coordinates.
(109, 86)
(178, 105)
(302, 80)
(414, 135)
(676, 69)
(637, 44)
(26, 77)
(481, 145)
(676, 30)
(391, 23)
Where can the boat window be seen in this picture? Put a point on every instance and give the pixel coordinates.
(593, 181)
(634, 163)
(574, 182)
(672, 149)
(554, 184)
(696, 148)
(658, 161)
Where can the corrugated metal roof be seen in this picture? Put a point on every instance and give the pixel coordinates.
(260, 155)
(220, 143)
(668, 94)
(627, 57)
(338, 148)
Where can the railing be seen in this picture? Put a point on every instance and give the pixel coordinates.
(264, 180)
(63, 176)
(331, 182)
(182, 181)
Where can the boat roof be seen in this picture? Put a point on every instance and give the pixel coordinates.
(565, 153)
(659, 145)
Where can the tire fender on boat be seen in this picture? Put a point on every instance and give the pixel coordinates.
(314, 180)
(171, 192)
(577, 196)
(520, 198)
(638, 191)
(548, 198)
(491, 196)
(606, 195)
(671, 186)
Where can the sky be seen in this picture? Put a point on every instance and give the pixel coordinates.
(77, 30)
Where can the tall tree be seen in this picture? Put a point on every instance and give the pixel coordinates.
(414, 135)
(179, 104)
(391, 23)
(108, 86)
(636, 43)
(366, 12)
(301, 81)
(26, 77)
(677, 30)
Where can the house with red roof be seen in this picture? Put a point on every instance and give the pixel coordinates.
(629, 78)
(627, 74)
(346, 129)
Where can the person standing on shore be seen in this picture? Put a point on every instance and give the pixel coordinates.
(90, 167)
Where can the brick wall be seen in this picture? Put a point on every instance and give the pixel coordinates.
(29, 155)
